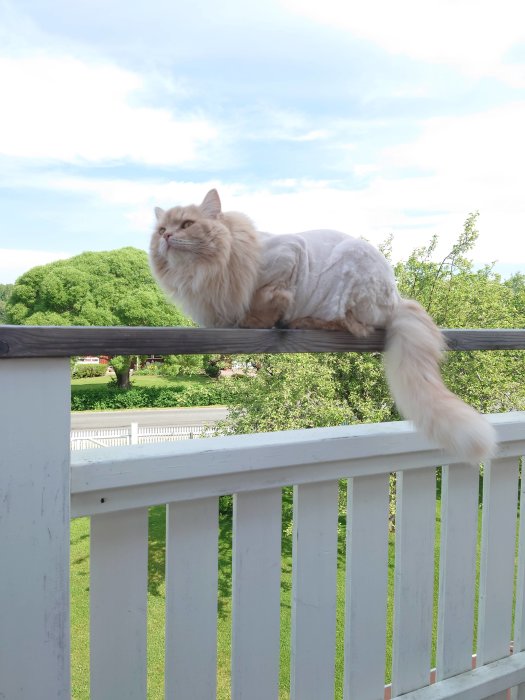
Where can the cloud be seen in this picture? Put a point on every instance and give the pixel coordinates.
(413, 208)
(474, 36)
(62, 108)
(478, 145)
(14, 262)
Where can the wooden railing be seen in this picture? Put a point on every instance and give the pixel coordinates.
(66, 341)
(42, 486)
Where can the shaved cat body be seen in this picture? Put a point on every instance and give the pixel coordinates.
(322, 279)
(224, 273)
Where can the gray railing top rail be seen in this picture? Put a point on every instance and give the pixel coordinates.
(66, 341)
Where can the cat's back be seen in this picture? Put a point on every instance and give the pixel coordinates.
(319, 243)
(327, 271)
(319, 248)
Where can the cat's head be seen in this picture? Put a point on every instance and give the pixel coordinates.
(194, 232)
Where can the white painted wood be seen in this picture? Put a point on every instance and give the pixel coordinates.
(134, 434)
(483, 682)
(130, 477)
(366, 587)
(414, 579)
(500, 492)
(457, 569)
(191, 600)
(113, 437)
(519, 615)
(118, 605)
(34, 529)
(314, 588)
(256, 588)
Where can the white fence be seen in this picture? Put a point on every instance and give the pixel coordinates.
(135, 434)
(40, 490)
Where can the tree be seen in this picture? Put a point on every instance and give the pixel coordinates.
(174, 365)
(298, 391)
(5, 293)
(111, 288)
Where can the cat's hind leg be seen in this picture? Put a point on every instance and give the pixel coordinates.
(348, 323)
(267, 308)
(357, 328)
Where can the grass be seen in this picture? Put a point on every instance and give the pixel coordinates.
(80, 604)
(140, 380)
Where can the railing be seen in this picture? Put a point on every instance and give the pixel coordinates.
(135, 434)
(42, 486)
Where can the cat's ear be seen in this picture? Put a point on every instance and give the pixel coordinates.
(159, 213)
(211, 205)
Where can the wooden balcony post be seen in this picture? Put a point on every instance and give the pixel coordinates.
(34, 528)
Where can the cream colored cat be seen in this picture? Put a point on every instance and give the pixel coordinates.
(225, 273)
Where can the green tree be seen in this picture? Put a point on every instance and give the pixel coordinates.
(297, 391)
(5, 293)
(174, 365)
(111, 288)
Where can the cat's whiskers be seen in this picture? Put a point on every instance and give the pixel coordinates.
(173, 241)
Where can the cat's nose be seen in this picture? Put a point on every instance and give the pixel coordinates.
(167, 235)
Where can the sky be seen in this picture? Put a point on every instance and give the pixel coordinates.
(373, 118)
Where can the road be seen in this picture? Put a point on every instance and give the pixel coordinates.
(87, 420)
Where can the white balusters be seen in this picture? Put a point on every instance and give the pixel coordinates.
(500, 492)
(457, 572)
(314, 587)
(191, 599)
(256, 590)
(366, 587)
(119, 570)
(414, 580)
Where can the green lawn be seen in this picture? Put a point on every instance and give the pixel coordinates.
(141, 380)
(147, 391)
(80, 615)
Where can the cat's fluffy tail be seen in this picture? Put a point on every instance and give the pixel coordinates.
(414, 348)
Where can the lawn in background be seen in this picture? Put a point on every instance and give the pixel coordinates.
(149, 391)
(141, 380)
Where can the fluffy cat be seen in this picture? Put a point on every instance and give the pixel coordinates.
(225, 273)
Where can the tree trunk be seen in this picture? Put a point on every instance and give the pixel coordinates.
(123, 381)
(121, 366)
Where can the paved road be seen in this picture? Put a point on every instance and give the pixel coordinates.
(87, 420)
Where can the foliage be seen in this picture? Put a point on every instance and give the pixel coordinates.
(111, 288)
(213, 364)
(110, 397)
(298, 391)
(175, 365)
(5, 293)
(88, 370)
(151, 369)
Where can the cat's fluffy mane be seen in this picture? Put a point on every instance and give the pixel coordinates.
(210, 266)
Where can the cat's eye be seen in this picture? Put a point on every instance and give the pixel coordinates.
(162, 231)
(186, 223)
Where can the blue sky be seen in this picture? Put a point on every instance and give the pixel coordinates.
(373, 118)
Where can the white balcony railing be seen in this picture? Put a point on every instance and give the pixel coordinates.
(42, 486)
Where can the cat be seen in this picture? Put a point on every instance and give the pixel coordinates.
(224, 273)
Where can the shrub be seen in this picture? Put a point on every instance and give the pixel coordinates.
(111, 397)
(151, 369)
(212, 370)
(85, 371)
(173, 365)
